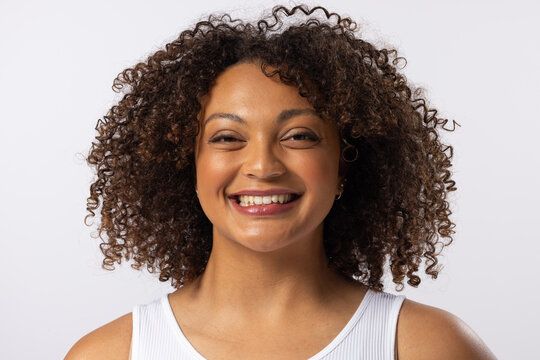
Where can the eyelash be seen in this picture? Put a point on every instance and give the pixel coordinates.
(221, 137)
(307, 135)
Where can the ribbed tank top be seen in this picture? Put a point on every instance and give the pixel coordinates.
(370, 333)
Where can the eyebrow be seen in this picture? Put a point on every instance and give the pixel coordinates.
(283, 116)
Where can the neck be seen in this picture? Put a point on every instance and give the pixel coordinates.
(269, 286)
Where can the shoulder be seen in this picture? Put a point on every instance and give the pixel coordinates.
(426, 332)
(110, 342)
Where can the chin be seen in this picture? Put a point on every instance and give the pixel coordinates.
(263, 243)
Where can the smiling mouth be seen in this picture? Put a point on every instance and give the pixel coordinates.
(249, 200)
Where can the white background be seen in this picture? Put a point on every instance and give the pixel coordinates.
(478, 60)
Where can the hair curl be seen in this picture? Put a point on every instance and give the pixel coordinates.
(397, 170)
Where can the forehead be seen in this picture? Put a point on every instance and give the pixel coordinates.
(246, 91)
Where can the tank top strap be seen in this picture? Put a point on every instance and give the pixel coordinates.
(155, 333)
(373, 336)
(382, 317)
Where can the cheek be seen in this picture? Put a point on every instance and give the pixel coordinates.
(319, 171)
(213, 172)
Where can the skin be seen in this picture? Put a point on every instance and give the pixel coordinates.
(267, 284)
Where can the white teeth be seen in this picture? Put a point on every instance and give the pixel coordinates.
(248, 200)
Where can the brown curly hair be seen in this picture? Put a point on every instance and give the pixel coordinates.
(394, 209)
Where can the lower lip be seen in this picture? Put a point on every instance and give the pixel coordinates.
(264, 210)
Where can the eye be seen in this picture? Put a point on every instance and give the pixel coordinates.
(303, 136)
(223, 139)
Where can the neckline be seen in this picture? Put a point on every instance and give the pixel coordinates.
(169, 314)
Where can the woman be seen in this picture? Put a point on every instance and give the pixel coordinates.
(269, 171)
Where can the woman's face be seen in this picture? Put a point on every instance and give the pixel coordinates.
(260, 137)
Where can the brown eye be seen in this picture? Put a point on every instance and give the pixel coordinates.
(303, 136)
(223, 139)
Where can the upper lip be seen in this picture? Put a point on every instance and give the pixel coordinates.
(254, 192)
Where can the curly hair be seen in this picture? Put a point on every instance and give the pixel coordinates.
(395, 213)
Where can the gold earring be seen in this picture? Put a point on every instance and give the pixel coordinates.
(339, 195)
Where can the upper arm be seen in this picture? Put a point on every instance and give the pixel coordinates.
(112, 341)
(425, 332)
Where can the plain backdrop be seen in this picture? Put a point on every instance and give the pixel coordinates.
(477, 60)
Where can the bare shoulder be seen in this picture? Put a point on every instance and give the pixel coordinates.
(110, 342)
(426, 332)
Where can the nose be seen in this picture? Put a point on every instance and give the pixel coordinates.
(262, 162)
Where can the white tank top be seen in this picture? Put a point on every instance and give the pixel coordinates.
(370, 334)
